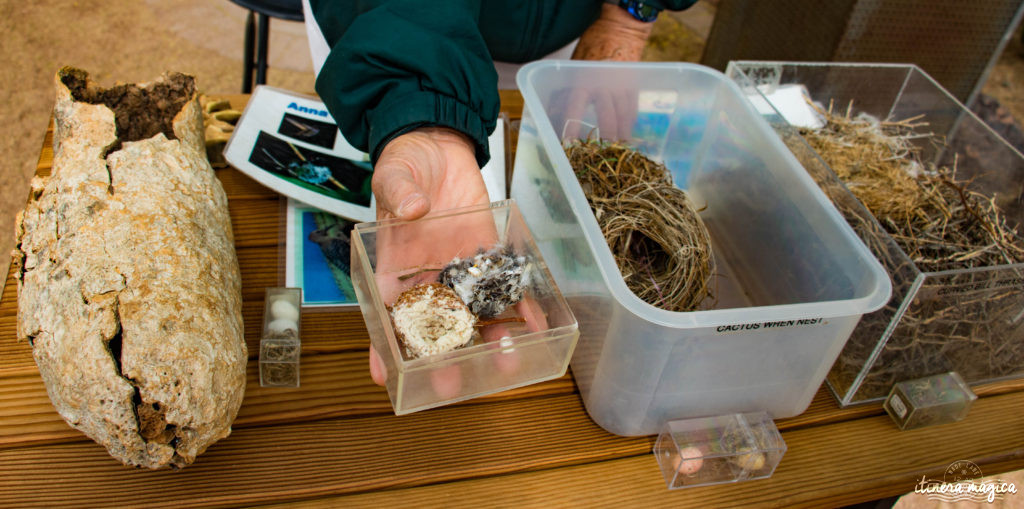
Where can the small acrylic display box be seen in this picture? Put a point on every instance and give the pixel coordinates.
(963, 319)
(533, 345)
(720, 449)
(280, 342)
(937, 399)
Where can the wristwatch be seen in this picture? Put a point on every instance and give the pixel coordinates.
(638, 9)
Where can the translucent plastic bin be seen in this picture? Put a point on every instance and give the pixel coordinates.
(792, 278)
(532, 342)
(968, 320)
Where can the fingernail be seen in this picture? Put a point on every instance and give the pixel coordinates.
(408, 204)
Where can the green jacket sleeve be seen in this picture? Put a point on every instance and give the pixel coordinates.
(399, 64)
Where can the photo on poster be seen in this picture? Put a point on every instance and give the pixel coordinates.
(318, 256)
(335, 177)
(312, 131)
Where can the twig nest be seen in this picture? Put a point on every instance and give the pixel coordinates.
(430, 318)
(655, 232)
(489, 282)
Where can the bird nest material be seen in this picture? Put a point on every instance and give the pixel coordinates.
(659, 241)
(940, 223)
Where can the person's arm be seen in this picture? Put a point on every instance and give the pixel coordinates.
(397, 65)
(617, 35)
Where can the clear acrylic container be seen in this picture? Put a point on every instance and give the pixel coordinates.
(720, 449)
(533, 344)
(967, 320)
(281, 342)
(792, 279)
(929, 401)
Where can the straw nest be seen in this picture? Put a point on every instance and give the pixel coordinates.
(938, 221)
(941, 224)
(659, 241)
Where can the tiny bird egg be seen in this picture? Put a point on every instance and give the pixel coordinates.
(282, 309)
(282, 326)
(752, 461)
(689, 461)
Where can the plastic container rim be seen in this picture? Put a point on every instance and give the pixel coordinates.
(873, 300)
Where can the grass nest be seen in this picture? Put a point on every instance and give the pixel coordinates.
(655, 233)
(939, 222)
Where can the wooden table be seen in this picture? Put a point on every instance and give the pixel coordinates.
(335, 440)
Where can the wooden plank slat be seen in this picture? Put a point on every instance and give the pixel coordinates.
(238, 186)
(511, 103)
(545, 447)
(332, 385)
(257, 222)
(323, 331)
(266, 464)
(826, 466)
(260, 269)
(15, 356)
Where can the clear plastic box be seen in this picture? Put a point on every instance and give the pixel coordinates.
(792, 278)
(721, 449)
(967, 320)
(929, 401)
(532, 344)
(280, 339)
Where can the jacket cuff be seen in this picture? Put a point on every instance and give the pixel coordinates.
(409, 111)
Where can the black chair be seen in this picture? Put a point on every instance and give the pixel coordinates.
(290, 10)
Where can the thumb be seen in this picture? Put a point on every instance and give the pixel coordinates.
(398, 194)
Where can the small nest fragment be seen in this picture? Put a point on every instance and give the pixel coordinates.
(437, 317)
(430, 318)
(936, 220)
(659, 241)
(489, 282)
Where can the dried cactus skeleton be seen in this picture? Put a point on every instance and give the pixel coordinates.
(128, 284)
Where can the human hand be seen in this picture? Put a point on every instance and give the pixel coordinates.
(615, 109)
(431, 168)
(616, 36)
(435, 170)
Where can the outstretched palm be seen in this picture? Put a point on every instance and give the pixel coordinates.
(425, 170)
